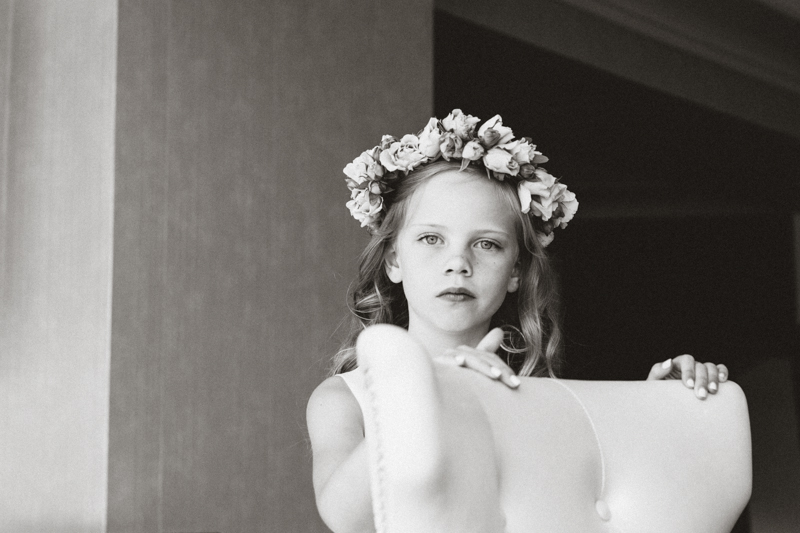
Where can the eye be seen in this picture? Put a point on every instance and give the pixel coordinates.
(430, 239)
(488, 245)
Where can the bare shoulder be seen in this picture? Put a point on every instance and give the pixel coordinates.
(331, 397)
(335, 426)
(333, 413)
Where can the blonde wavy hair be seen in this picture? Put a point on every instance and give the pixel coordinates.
(530, 317)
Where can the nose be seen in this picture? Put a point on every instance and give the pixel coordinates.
(459, 263)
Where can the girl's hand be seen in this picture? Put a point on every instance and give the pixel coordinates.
(483, 359)
(702, 377)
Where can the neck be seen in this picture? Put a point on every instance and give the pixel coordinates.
(436, 341)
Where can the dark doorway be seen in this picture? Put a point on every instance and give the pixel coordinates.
(683, 242)
(641, 290)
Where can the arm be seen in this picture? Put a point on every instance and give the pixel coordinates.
(704, 378)
(340, 471)
(483, 358)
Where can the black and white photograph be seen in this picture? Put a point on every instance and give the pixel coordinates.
(434, 266)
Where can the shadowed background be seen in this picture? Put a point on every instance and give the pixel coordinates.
(175, 251)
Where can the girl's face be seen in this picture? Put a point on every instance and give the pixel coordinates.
(455, 254)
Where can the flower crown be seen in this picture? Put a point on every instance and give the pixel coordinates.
(371, 174)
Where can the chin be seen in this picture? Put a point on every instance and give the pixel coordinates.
(459, 324)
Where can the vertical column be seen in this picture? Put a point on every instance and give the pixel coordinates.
(58, 69)
(140, 247)
(233, 248)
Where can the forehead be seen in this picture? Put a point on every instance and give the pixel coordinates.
(461, 200)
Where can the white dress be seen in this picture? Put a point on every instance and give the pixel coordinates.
(355, 380)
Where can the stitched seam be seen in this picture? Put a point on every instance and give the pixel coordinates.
(378, 480)
(594, 432)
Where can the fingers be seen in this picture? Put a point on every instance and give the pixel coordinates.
(694, 375)
(687, 366)
(508, 377)
(488, 364)
(704, 378)
(493, 368)
(701, 381)
(491, 342)
(660, 370)
(713, 377)
(448, 359)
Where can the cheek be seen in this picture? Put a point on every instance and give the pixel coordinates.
(501, 272)
(502, 265)
(416, 269)
(417, 260)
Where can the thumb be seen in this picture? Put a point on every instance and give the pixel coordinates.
(491, 342)
(660, 370)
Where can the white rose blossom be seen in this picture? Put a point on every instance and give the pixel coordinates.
(403, 154)
(569, 206)
(496, 123)
(430, 139)
(519, 150)
(365, 206)
(451, 146)
(527, 189)
(544, 196)
(473, 151)
(524, 152)
(365, 167)
(460, 124)
(501, 162)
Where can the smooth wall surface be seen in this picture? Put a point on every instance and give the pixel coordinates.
(57, 72)
(233, 248)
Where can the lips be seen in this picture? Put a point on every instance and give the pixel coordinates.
(456, 294)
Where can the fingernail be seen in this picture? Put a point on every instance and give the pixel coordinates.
(495, 372)
(712, 387)
(723, 377)
(667, 364)
(690, 382)
(514, 381)
(702, 392)
(460, 360)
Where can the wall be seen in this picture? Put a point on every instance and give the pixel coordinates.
(232, 246)
(776, 446)
(57, 79)
(735, 57)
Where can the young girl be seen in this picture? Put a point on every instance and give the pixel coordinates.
(460, 217)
